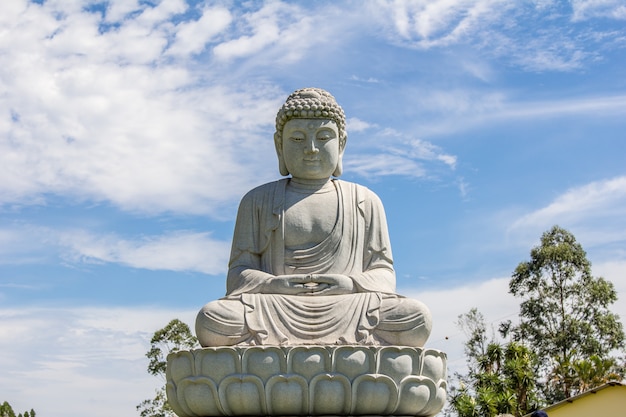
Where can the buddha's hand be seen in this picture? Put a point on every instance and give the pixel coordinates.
(311, 284)
(328, 284)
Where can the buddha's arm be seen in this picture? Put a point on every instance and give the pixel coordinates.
(380, 279)
(378, 274)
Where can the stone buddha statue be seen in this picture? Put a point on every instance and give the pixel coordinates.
(311, 260)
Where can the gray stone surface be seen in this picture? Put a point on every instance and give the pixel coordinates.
(311, 323)
(311, 259)
(307, 380)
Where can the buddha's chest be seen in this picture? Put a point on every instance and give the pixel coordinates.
(309, 219)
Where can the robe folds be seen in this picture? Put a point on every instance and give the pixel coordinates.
(357, 247)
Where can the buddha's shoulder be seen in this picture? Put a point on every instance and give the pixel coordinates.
(265, 191)
(362, 193)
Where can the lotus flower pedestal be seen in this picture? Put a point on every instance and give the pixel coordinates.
(307, 381)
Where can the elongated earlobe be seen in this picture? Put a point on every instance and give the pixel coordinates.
(338, 168)
(282, 167)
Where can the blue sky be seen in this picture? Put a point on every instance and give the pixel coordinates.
(129, 130)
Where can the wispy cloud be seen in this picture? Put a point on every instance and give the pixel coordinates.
(439, 23)
(79, 358)
(180, 251)
(530, 35)
(355, 124)
(581, 208)
(192, 36)
(398, 155)
(480, 108)
(587, 9)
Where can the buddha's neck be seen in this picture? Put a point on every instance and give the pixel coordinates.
(309, 186)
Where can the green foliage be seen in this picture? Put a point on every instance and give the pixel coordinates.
(157, 406)
(173, 337)
(501, 377)
(7, 411)
(565, 316)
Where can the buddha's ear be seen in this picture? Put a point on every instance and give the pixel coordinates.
(278, 144)
(339, 168)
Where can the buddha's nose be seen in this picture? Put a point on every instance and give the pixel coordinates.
(311, 147)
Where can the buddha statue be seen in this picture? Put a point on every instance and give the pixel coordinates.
(311, 259)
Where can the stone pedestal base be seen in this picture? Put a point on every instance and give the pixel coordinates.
(307, 381)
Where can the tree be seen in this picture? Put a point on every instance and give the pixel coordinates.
(565, 315)
(7, 411)
(501, 376)
(173, 337)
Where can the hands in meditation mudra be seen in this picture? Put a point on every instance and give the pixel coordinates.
(311, 259)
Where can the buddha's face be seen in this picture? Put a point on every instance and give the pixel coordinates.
(310, 148)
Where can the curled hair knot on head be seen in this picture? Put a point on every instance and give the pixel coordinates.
(312, 103)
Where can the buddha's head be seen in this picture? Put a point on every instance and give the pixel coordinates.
(316, 104)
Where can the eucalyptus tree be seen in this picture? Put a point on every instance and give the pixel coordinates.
(565, 313)
(175, 336)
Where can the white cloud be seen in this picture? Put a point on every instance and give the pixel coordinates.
(110, 114)
(423, 150)
(473, 108)
(397, 155)
(73, 362)
(504, 29)
(180, 251)
(595, 213)
(191, 37)
(355, 124)
(461, 101)
(492, 299)
(276, 29)
(438, 23)
(373, 166)
(587, 9)
(100, 116)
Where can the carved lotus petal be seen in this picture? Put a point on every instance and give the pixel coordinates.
(264, 362)
(434, 365)
(179, 366)
(308, 361)
(440, 399)
(172, 399)
(287, 395)
(242, 395)
(218, 363)
(353, 361)
(416, 393)
(374, 395)
(330, 394)
(398, 362)
(198, 397)
(262, 380)
(437, 400)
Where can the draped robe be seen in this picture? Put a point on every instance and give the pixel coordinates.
(357, 247)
